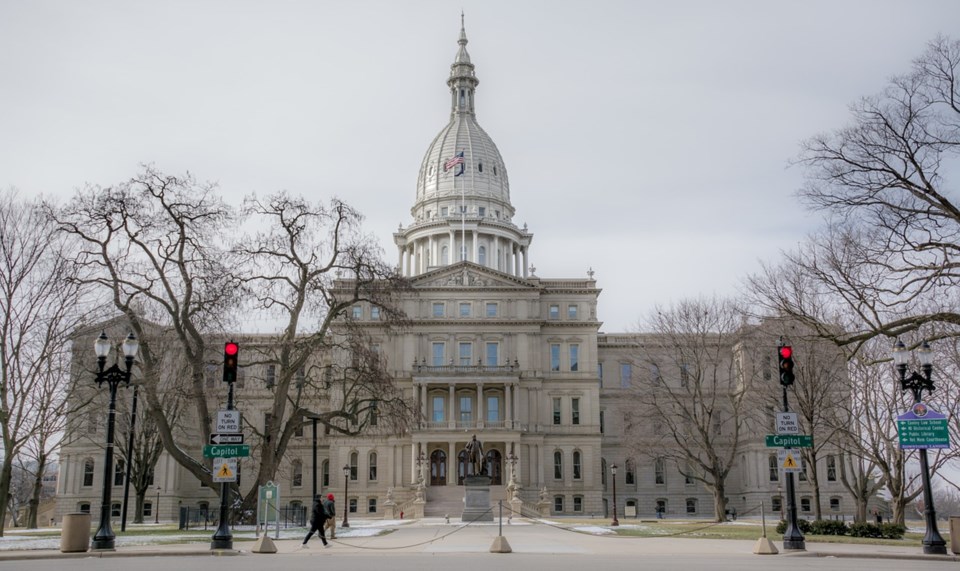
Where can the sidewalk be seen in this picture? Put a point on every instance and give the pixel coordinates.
(434, 535)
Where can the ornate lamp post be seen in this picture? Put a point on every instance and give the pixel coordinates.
(156, 507)
(346, 495)
(613, 472)
(104, 539)
(916, 383)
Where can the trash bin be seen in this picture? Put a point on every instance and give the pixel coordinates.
(955, 534)
(75, 533)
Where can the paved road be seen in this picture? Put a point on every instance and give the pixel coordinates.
(435, 546)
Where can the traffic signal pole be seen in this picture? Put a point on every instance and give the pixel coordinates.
(223, 539)
(792, 536)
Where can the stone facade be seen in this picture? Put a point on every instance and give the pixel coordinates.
(493, 350)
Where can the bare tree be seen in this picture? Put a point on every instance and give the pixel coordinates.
(40, 304)
(888, 262)
(309, 267)
(690, 409)
(153, 244)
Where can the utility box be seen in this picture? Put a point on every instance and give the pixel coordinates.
(75, 533)
(955, 534)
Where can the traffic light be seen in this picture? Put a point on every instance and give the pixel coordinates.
(786, 365)
(230, 353)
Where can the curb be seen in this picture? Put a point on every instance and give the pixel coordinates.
(41, 555)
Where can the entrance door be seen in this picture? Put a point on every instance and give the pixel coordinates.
(438, 468)
(495, 467)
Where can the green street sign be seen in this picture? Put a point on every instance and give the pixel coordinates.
(789, 441)
(226, 450)
(924, 433)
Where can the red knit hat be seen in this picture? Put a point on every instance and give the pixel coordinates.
(330, 497)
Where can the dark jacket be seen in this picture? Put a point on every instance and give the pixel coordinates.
(329, 508)
(317, 515)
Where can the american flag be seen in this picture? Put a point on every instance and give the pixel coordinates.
(452, 162)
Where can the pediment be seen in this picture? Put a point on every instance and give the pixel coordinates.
(468, 274)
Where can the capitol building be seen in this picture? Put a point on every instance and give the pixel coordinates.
(494, 350)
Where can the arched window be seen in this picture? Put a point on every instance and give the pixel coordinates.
(373, 467)
(773, 468)
(147, 509)
(691, 506)
(659, 472)
(88, 472)
(297, 473)
(630, 477)
(482, 257)
(115, 509)
(83, 507)
(444, 256)
(577, 473)
(557, 465)
(325, 474)
(353, 466)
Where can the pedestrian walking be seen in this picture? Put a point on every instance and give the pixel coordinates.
(330, 508)
(317, 518)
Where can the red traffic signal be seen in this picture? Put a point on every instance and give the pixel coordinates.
(231, 351)
(786, 365)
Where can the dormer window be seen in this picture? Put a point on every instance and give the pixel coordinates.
(480, 166)
(482, 211)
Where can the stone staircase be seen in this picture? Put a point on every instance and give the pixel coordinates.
(444, 500)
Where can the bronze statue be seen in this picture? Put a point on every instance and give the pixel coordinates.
(475, 456)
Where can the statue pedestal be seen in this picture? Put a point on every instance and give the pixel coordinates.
(477, 500)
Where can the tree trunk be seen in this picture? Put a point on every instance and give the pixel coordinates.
(6, 474)
(138, 511)
(861, 510)
(719, 502)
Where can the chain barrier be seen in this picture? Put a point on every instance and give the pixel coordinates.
(535, 517)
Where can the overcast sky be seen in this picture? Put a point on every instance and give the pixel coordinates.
(649, 141)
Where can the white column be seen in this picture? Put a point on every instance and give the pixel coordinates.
(400, 257)
(452, 250)
(495, 254)
(431, 254)
(516, 259)
(451, 420)
(480, 423)
(526, 263)
(508, 393)
(476, 248)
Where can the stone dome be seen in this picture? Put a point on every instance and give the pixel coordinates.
(462, 164)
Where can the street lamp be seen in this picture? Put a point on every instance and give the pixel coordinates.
(613, 471)
(156, 507)
(346, 495)
(933, 543)
(104, 539)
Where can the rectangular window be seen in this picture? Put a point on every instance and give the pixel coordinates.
(571, 312)
(574, 357)
(444, 211)
(491, 309)
(466, 353)
(438, 353)
(804, 504)
(831, 468)
(374, 312)
(600, 373)
(655, 378)
(438, 409)
(659, 472)
(466, 409)
(493, 354)
(147, 509)
(626, 374)
(353, 505)
(835, 504)
(556, 410)
(493, 409)
(773, 468)
(482, 211)
(298, 431)
(776, 504)
(554, 356)
(357, 312)
(118, 473)
(684, 376)
(438, 309)
(601, 422)
(558, 504)
(577, 503)
(464, 309)
(554, 311)
(575, 411)
(372, 505)
(271, 375)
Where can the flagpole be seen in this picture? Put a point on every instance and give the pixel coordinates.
(463, 212)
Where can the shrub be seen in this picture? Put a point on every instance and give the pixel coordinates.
(828, 527)
(893, 530)
(865, 530)
(803, 524)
